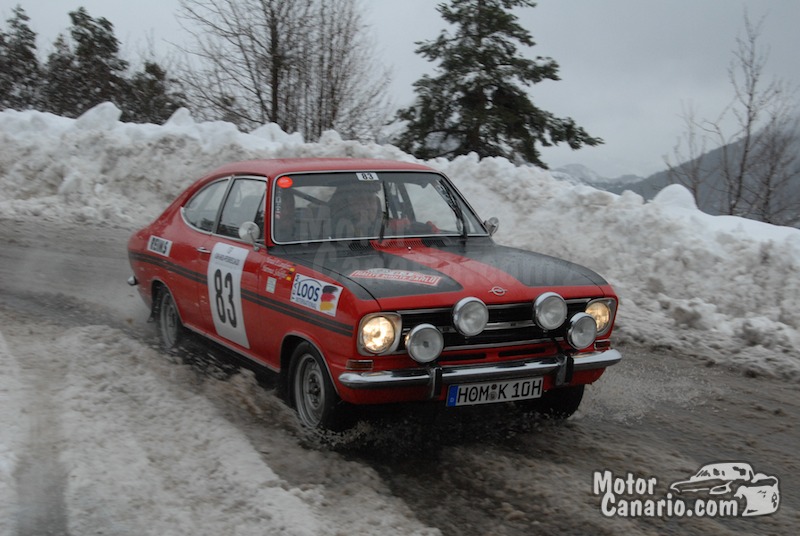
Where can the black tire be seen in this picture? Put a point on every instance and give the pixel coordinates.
(312, 392)
(559, 403)
(169, 322)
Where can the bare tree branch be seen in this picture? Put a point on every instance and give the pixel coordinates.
(306, 65)
(756, 164)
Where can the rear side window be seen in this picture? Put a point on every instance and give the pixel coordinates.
(245, 202)
(202, 209)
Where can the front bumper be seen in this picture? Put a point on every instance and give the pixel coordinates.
(437, 375)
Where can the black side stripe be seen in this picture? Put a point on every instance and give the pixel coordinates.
(169, 265)
(320, 321)
(262, 301)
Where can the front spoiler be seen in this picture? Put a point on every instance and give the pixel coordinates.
(437, 374)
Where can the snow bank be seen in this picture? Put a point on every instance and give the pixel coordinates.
(139, 446)
(106, 411)
(719, 287)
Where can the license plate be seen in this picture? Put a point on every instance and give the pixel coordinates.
(470, 394)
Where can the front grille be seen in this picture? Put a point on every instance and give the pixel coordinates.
(509, 325)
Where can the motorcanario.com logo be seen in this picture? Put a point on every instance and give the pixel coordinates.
(724, 489)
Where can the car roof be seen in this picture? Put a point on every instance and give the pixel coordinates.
(280, 166)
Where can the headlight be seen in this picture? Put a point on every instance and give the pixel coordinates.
(603, 313)
(549, 311)
(378, 333)
(424, 343)
(470, 316)
(582, 331)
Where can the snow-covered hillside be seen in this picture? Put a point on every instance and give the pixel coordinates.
(722, 288)
(580, 174)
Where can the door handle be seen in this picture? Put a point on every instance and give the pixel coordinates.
(203, 250)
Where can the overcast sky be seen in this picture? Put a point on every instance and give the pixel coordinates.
(627, 67)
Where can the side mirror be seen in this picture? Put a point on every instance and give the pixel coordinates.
(249, 232)
(491, 225)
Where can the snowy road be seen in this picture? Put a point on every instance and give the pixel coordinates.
(102, 433)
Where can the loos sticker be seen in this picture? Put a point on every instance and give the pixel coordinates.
(315, 294)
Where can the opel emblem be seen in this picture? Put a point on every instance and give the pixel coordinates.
(498, 291)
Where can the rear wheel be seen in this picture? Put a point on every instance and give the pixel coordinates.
(169, 321)
(316, 401)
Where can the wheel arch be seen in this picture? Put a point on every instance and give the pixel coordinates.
(288, 346)
(157, 288)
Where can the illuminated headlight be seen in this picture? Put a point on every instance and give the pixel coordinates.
(470, 316)
(582, 331)
(378, 333)
(603, 313)
(549, 311)
(424, 343)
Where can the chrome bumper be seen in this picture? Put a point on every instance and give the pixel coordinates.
(438, 374)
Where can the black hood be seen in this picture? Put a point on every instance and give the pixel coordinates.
(435, 266)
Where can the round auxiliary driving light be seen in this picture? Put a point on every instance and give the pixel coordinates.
(424, 343)
(582, 331)
(549, 311)
(470, 316)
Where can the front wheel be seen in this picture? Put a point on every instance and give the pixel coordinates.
(169, 322)
(316, 401)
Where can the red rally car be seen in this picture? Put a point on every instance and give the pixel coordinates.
(371, 282)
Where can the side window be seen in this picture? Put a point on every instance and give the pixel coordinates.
(245, 202)
(201, 210)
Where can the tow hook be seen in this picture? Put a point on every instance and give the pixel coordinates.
(436, 380)
(566, 366)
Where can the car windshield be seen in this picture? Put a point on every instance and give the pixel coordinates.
(316, 207)
(724, 472)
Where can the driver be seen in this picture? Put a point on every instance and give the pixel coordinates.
(356, 213)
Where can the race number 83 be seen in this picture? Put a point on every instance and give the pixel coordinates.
(225, 291)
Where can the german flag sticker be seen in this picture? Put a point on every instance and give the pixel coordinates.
(329, 299)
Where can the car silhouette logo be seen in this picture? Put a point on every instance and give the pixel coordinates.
(759, 492)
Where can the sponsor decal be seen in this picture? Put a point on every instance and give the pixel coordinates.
(159, 245)
(315, 294)
(278, 268)
(723, 489)
(403, 276)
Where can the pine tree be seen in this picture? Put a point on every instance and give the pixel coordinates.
(20, 73)
(100, 69)
(6, 81)
(95, 71)
(477, 102)
(150, 98)
(58, 91)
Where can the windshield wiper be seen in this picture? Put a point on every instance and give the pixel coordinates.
(455, 207)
